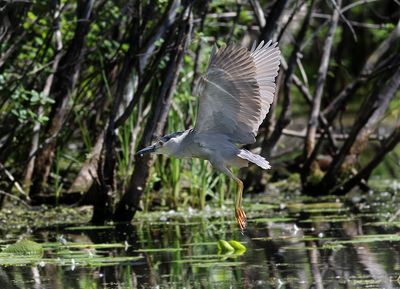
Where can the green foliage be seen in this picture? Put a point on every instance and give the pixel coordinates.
(230, 247)
(315, 175)
(25, 102)
(225, 246)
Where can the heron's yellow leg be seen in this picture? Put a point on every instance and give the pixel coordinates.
(239, 212)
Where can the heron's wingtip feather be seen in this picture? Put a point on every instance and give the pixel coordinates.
(254, 158)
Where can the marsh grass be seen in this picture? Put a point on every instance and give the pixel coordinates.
(126, 149)
(58, 184)
(187, 182)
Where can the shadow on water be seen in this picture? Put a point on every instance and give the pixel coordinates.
(290, 244)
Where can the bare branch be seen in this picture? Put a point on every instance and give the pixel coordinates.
(258, 12)
(369, 127)
(15, 198)
(272, 19)
(322, 72)
(14, 181)
(46, 92)
(337, 136)
(370, 105)
(284, 118)
(370, 65)
(391, 142)
(62, 88)
(128, 205)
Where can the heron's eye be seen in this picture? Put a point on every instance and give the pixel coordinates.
(160, 143)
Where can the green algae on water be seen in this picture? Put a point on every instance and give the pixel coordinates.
(25, 248)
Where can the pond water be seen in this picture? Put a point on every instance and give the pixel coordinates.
(291, 242)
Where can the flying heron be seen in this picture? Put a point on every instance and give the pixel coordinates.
(235, 95)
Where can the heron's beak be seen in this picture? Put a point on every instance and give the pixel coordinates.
(149, 149)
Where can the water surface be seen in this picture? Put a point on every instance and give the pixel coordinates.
(291, 241)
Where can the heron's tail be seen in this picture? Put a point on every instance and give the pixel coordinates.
(256, 159)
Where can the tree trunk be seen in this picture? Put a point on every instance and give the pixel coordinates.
(104, 189)
(367, 110)
(363, 136)
(46, 91)
(389, 144)
(322, 72)
(129, 203)
(369, 67)
(62, 89)
(284, 117)
(269, 31)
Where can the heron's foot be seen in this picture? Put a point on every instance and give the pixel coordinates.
(240, 218)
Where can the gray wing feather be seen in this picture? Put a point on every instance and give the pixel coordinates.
(267, 60)
(237, 91)
(255, 159)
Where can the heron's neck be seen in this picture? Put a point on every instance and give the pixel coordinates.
(183, 145)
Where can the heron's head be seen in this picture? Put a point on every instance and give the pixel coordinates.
(166, 145)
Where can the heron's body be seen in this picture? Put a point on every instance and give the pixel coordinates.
(234, 94)
(218, 149)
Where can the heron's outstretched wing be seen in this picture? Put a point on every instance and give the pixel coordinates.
(237, 90)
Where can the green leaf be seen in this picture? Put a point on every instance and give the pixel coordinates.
(237, 246)
(31, 15)
(224, 246)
